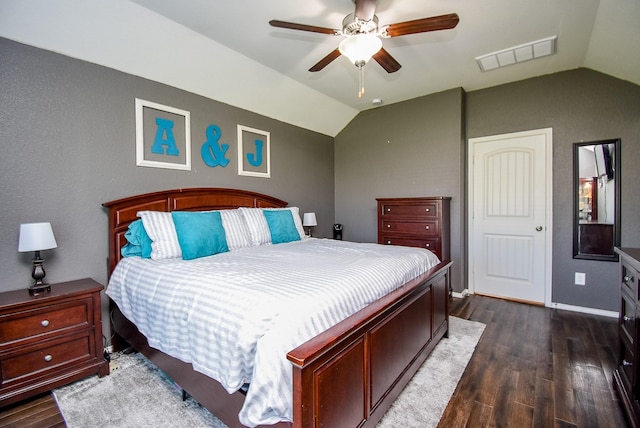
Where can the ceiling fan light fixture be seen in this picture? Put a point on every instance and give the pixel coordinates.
(359, 48)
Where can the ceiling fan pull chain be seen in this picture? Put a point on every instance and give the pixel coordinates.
(361, 81)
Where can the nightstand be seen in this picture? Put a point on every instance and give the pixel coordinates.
(49, 340)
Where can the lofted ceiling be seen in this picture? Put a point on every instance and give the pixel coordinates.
(599, 34)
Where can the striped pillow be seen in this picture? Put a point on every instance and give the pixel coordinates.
(160, 228)
(259, 228)
(238, 235)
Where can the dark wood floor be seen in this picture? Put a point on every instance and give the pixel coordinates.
(536, 367)
(533, 367)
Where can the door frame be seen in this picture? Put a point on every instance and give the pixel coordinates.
(548, 133)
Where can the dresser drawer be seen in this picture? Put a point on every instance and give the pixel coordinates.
(424, 228)
(51, 356)
(428, 243)
(21, 325)
(628, 324)
(423, 209)
(630, 280)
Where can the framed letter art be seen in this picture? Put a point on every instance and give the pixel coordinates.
(254, 152)
(163, 136)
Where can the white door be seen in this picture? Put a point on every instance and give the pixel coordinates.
(510, 216)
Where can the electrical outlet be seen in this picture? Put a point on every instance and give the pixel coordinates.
(113, 365)
(581, 278)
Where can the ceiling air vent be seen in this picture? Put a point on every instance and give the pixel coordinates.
(531, 50)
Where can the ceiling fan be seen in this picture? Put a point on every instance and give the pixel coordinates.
(363, 36)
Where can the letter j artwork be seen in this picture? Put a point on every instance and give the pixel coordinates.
(254, 152)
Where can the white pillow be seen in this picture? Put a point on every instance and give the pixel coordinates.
(259, 228)
(160, 228)
(235, 228)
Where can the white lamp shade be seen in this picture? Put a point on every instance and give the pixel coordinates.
(360, 47)
(36, 237)
(309, 219)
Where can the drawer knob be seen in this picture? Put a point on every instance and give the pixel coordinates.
(427, 209)
(48, 358)
(626, 363)
(427, 245)
(628, 278)
(388, 242)
(627, 318)
(44, 323)
(388, 210)
(426, 227)
(388, 226)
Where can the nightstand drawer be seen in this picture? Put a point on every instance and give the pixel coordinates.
(424, 228)
(21, 325)
(427, 243)
(51, 356)
(424, 209)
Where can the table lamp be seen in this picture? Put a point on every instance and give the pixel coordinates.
(309, 220)
(37, 237)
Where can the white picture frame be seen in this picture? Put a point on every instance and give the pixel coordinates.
(176, 153)
(254, 152)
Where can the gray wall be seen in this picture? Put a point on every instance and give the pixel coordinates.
(67, 138)
(414, 148)
(580, 105)
(407, 149)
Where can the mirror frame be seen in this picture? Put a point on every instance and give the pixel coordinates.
(613, 257)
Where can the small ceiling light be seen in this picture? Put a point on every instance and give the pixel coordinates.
(359, 48)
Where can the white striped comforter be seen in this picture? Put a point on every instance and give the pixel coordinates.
(235, 316)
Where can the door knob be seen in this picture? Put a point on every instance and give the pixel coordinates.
(539, 228)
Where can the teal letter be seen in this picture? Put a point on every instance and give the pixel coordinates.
(256, 160)
(164, 137)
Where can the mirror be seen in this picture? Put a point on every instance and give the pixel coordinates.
(596, 184)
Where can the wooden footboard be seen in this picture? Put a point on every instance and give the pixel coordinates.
(349, 375)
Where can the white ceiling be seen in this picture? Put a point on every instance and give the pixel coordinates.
(184, 44)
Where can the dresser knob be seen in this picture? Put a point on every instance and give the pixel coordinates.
(628, 278)
(626, 363)
(48, 358)
(388, 242)
(44, 323)
(388, 226)
(427, 245)
(427, 209)
(388, 210)
(627, 318)
(426, 227)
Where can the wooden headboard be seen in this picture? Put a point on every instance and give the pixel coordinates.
(123, 211)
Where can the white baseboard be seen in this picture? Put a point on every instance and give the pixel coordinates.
(561, 306)
(585, 310)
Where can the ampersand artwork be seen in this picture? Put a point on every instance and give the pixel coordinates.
(213, 153)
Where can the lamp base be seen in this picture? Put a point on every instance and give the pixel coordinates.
(37, 289)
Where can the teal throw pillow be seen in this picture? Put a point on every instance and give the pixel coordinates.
(281, 225)
(138, 241)
(200, 234)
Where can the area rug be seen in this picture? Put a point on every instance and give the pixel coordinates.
(136, 394)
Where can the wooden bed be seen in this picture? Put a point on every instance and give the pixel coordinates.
(347, 376)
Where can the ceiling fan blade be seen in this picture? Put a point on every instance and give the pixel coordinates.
(325, 61)
(387, 62)
(434, 23)
(365, 9)
(302, 27)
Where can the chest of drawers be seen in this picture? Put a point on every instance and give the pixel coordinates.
(627, 375)
(415, 222)
(49, 340)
